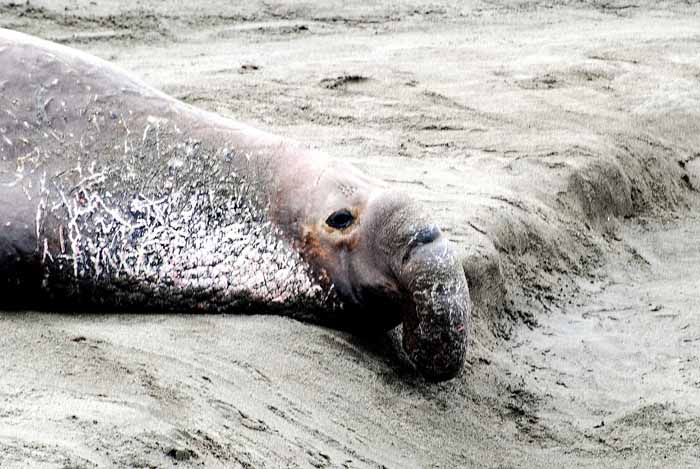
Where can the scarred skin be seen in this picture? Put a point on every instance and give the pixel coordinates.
(115, 195)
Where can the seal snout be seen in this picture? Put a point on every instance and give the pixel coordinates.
(434, 322)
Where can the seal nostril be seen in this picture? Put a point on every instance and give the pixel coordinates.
(426, 235)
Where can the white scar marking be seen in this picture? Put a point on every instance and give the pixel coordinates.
(145, 133)
(61, 239)
(39, 209)
(46, 252)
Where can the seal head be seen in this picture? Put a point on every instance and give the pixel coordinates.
(389, 264)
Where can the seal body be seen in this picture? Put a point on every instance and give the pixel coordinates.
(120, 196)
(116, 196)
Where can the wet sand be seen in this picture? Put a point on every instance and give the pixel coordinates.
(558, 143)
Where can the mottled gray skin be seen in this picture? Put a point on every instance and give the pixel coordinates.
(114, 195)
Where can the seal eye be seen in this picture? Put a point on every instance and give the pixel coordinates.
(340, 219)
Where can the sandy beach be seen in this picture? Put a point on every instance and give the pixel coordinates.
(558, 145)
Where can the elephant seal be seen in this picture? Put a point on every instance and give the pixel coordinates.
(115, 195)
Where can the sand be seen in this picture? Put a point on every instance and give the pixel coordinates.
(558, 144)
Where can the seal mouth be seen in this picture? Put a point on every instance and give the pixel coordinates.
(434, 323)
